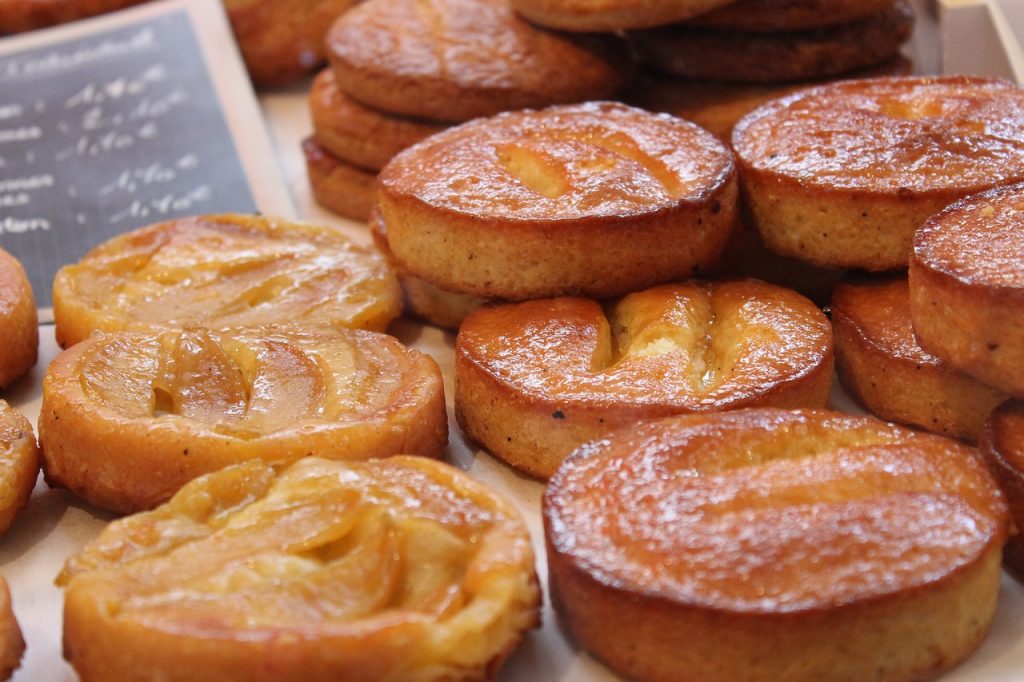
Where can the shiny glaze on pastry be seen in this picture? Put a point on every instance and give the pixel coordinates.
(19, 323)
(19, 466)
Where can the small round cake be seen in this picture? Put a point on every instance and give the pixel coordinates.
(534, 380)
(398, 569)
(17, 16)
(19, 324)
(338, 186)
(19, 467)
(788, 15)
(12, 643)
(129, 417)
(612, 15)
(1002, 444)
(766, 545)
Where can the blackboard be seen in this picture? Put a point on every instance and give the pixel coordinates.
(105, 133)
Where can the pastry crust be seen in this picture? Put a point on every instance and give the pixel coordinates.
(763, 545)
(535, 380)
(596, 199)
(19, 325)
(338, 186)
(696, 52)
(17, 16)
(283, 40)
(1002, 445)
(967, 287)
(788, 15)
(222, 272)
(454, 60)
(129, 417)
(12, 643)
(843, 174)
(398, 569)
(880, 362)
(356, 134)
(19, 469)
(612, 15)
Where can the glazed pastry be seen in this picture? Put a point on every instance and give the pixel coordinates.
(535, 380)
(398, 569)
(765, 545)
(454, 60)
(17, 16)
(596, 199)
(880, 362)
(967, 287)
(223, 272)
(842, 175)
(129, 417)
(337, 186)
(19, 469)
(697, 52)
(12, 644)
(1002, 445)
(612, 15)
(788, 15)
(19, 325)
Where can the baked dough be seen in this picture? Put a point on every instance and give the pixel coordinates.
(596, 199)
(534, 380)
(12, 644)
(612, 15)
(338, 186)
(283, 40)
(843, 174)
(19, 325)
(222, 272)
(696, 52)
(967, 287)
(19, 469)
(356, 134)
(398, 569)
(788, 15)
(879, 361)
(1002, 445)
(17, 16)
(453, 60)
(129, 417)
(765, 545)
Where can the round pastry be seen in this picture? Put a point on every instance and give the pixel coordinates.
(696, 52)
(19, 325)
(967, 287)
(17, 16)
(453, 60)
(596, 199)
(398, 569)
(12, 644)
(19, 469)
(282, 40)
(534, 380)
(1002, 444)
(224, 272)
(436, 306)
(843, 174)
(788, 15)
(358, 135)
(766, 545)
(129, 417)
(338, 186)
(612, 15)
(880, 362)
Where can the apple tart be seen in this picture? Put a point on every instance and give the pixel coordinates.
(129, 417)
(402, 570)
(221, 272)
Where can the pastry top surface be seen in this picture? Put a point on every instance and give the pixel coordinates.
(897, 135)
(772, 511)
(880, 309)
(599, 159)
(229, 271)
(978, 240)
(324, 549)
(691, 346)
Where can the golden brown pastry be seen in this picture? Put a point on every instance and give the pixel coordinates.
(967, 287)
(356, 134)
(1002, 444)
(880, 362)
(596, 199)
(611, 15)
(130, 417)
(283, 40)
(842, 175)
(221, 272)
(12, 644)
(19, 469)
(788, 15)
(748, 57)
(534, 380)
(17, 16)
(398, 569)
(766, 545)
(338, 186)
(19, 324)
(453, 60)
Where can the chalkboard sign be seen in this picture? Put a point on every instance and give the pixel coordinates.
(107, 132)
